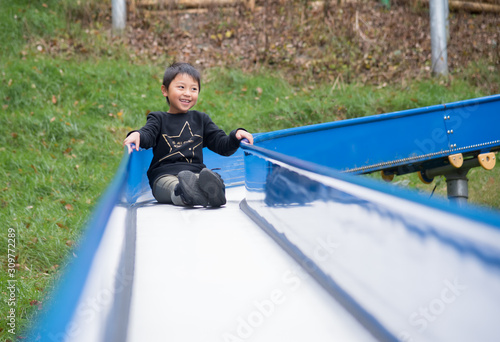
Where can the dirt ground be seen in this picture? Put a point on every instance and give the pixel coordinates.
(360, 40)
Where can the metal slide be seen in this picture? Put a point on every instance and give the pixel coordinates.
(304, 250)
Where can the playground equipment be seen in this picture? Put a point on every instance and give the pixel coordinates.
(316, 253)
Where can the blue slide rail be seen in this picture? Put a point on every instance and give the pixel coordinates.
(406, 141)
(54, 323)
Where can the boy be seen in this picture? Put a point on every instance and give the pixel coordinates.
(177, 174)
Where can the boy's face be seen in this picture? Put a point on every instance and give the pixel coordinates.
(182, 93)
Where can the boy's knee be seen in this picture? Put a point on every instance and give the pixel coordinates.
(163, 189)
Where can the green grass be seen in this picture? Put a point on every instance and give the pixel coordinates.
(64, 116)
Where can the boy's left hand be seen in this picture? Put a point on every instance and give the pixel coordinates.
(241, 134)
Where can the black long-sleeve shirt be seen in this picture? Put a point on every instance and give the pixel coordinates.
(178, 139)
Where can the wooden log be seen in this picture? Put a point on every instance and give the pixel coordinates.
(473, 7)
(494, 2)
(250, 4)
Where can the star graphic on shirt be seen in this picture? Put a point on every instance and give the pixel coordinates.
(177, 142)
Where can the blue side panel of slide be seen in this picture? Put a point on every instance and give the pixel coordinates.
(383, 141)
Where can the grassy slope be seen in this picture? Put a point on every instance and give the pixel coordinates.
(63, 118)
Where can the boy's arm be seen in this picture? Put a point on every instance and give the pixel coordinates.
(146, 136)
(221, 143)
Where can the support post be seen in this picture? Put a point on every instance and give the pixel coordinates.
(119, 14)
(457, 186)
(439, 17)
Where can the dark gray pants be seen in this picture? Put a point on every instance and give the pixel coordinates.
(163, 190)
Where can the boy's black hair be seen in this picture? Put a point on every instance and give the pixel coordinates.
(180, 68)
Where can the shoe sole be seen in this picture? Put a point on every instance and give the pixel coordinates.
(213, 186)
(189, 184)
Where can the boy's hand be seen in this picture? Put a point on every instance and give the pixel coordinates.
(133, 138)
(241, 134)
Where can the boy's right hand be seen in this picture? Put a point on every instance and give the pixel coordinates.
(133, 138)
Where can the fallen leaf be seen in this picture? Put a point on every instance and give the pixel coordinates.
(54, 99)
(60, 225)
(68, 207)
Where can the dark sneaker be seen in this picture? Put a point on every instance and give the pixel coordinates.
(213, 185)
(189, 189)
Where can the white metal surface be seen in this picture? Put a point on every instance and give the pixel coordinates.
(101, 288)
(425, 274)
(214, 275)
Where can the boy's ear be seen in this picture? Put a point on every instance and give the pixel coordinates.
(164, 90)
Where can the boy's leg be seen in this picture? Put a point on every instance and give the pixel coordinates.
(213, 185)
(163, 190)
(189, 189)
